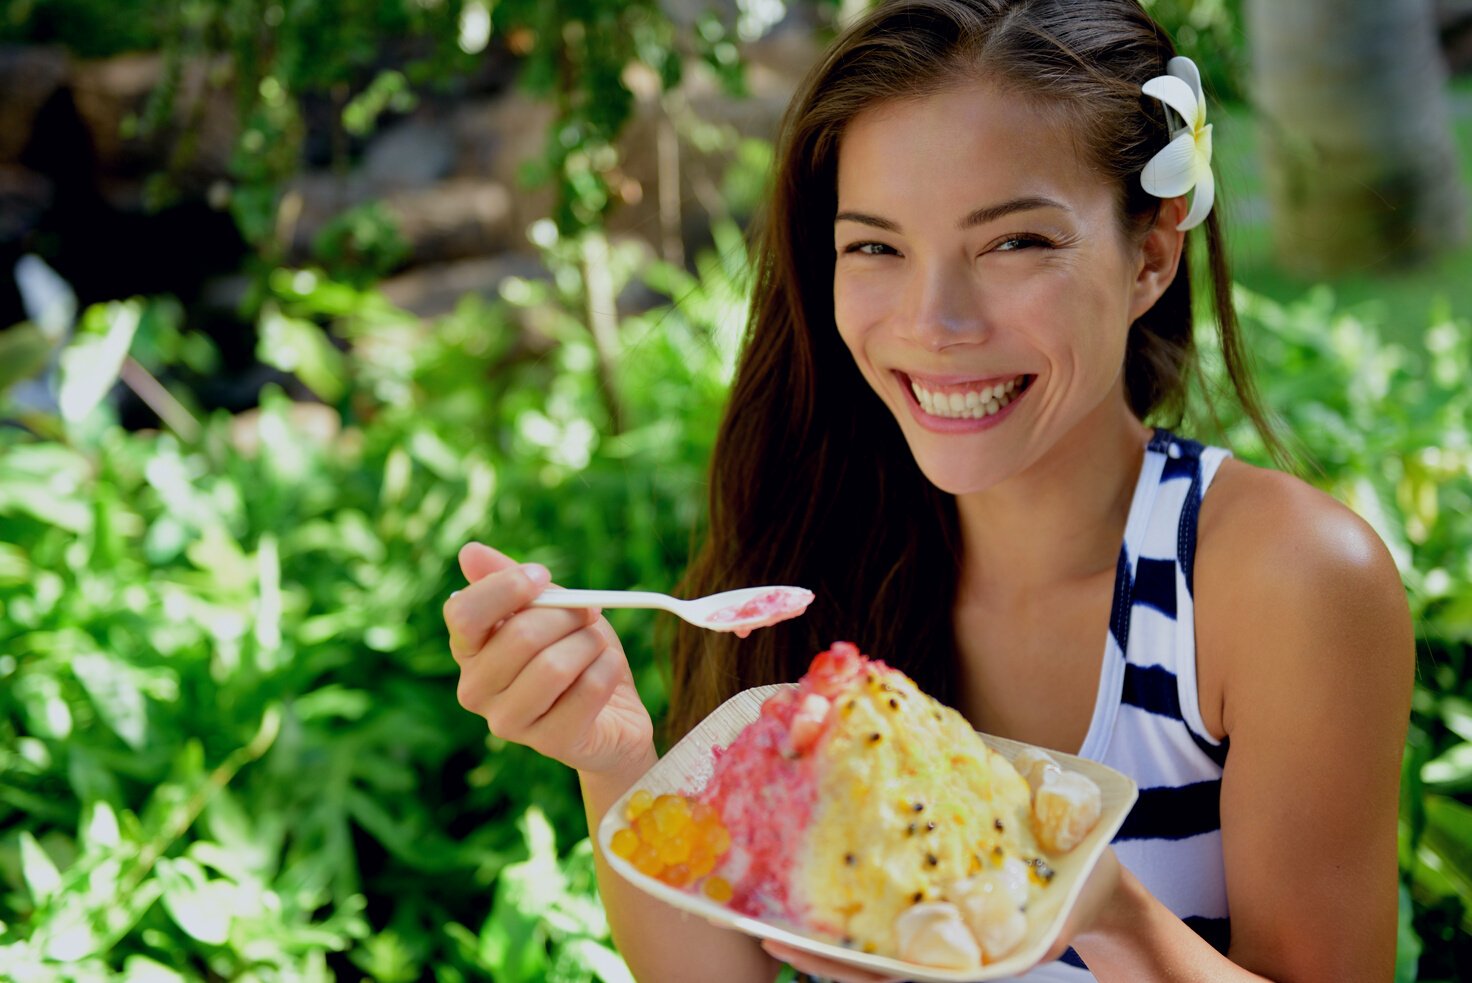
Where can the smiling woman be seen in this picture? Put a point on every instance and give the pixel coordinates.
(971, 329)
(964, 317)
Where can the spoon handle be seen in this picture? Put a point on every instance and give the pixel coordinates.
(567, 598)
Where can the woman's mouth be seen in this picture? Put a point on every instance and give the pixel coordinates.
(946, 404)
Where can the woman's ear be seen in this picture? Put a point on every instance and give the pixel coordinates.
(1159, 255)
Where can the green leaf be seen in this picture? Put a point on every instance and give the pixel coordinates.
(101, 829)
(1451, 770)
(268, 603)
(46, 711)
(15, 566)
(141, 969)
(601, 961)
(113, 689)
(42, 878)
(91, 364)
(53, 499)
(1456, 713)
(24, 352)
(68, 937)
(203, 908)
(1407, 943)
(302, 349)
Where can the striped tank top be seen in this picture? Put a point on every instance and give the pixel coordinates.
(1147, 719)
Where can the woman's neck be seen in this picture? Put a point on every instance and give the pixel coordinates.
(1063, 518)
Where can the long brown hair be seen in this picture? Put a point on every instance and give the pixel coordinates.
(812, 482)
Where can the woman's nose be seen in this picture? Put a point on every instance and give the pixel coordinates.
(942, 309)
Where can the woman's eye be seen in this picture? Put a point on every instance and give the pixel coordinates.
(1012, 244)
(868, 248)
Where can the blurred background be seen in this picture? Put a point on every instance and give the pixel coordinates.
(297, 296)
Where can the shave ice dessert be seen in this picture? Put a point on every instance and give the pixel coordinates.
(762, 611)
(858, 808)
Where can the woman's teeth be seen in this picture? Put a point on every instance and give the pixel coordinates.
(968, 404)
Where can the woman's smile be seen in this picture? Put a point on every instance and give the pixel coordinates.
(946, 404)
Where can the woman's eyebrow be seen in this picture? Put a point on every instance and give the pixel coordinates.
(979, 216)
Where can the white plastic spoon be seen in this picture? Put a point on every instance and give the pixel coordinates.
(738, 610)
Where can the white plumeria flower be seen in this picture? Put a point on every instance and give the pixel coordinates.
(1185, 162)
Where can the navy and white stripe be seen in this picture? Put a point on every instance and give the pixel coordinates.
(1147, 719)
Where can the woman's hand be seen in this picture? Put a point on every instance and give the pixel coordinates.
(1096, 902)
(827, 969)
(553, 679)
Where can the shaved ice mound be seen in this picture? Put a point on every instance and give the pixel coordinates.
(858, 808)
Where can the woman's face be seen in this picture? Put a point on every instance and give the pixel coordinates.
(982, 281)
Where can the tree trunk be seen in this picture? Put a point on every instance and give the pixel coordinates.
(1361, 167)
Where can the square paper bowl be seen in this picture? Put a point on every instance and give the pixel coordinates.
(688, 766)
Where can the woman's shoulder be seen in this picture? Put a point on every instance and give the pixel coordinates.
(1257, 525)
(1292, 588)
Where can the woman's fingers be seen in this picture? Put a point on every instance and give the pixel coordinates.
(545, 678)
(477, 560)
(571, 715)
(486, 673)
(472, 613)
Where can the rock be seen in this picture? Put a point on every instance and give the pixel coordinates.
(28, 77)
(316, 198)
(495, 138)
(434, 290)
(774, 70)
(455, 219)
(111, 91)
(410, 154)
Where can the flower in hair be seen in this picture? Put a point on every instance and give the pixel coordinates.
(1185, 162)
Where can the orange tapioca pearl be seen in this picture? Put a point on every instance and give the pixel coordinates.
(675, 848)
(624, 843)
(646, 860)
(703, 814)
(671, 812)
(718, 889)
(718, 840)
(639, 804)
(702, 861)
(645, 827)
(678, 875)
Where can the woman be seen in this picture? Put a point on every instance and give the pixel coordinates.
(967, 304)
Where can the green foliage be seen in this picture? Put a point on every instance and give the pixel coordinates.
(229, 747)
(277, 55)
(229, 744)
(1211, 33)
(90, 28)
(1385, 428)
(227, 696)
(361, 245)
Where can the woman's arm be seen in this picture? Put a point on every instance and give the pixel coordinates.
(558, 682)
(1304, 637)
